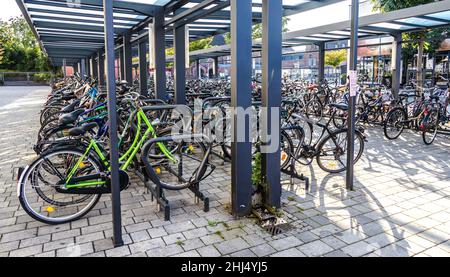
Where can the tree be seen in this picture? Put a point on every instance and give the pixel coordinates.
(424, 41)
(392, 5)
(257, 30)
(2, 52)
(335, 58)
(194, 45)
(21, 50)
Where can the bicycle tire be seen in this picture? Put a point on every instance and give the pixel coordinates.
(396, 121)
(320, 147)
(27, 174)
(433, 127)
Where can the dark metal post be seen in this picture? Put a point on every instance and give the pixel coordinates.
(159, 51)
(241, 76)
(143, 68)
(94, 67)
(448, 68)
(271, 95)
(321, 64)
(352, 99)
(127, 59)
(64, 68)
(83, 68)
(88, 67)
(216, 67)
(101, 69)
(396, 64)
(121, 65)
(111, 88)
(197, 67)
(179, 34)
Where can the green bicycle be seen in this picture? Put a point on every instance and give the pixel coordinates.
(66, 182)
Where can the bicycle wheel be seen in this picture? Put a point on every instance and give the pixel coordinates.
(332, 151)
(37, 187)
(48, 111)
(394, 123)
(156, 153)
(286, 149)
(340, 119)
(314, 110)
(189, 167)
(430, 127)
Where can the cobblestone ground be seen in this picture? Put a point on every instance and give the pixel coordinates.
(400, 206)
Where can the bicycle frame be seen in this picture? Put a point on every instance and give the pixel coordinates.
(126, 158)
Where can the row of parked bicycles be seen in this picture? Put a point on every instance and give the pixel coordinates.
(72, 170)
(420, 109)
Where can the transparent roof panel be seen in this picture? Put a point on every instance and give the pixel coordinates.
(392, 26)
(151, 2)
(442, 15)
(84, 23)
(420, 21)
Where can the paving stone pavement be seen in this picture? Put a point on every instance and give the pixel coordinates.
(400, 206)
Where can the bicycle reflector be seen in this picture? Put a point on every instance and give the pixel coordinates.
(50, 209)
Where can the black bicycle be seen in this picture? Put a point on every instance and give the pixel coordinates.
(330, 149)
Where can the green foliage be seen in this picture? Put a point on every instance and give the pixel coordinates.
(2, 52)
(432, 38)
(256, 169)
(42, 77)
(194, 45)
(19, 49)
(212, 223)
(200, 44)
(219, 233)
(257, 30)
(179, 243)
(392, 5)
(335, 58)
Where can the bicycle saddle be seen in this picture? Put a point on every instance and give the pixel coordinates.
(435, 97)
(403, 94)
(340, 106)
(71, 107)
(68, 97)
(70, 117)
(67, 92)
(78, 131)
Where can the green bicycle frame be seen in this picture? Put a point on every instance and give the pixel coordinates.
(126, 158)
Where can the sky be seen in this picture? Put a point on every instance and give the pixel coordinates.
(329, 14)
(9, 9)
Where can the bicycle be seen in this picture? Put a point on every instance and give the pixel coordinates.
(66, 182)
(406, 114)
(330, 148)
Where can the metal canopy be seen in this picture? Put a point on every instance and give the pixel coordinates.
(72, 30)
(427, 16)
(433, 15)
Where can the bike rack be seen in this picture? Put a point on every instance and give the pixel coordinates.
(216, 100)
(291, 169)
(153, 183)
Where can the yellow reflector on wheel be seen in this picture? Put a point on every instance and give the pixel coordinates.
(50, 210)
(332, 164)
(158, 170)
